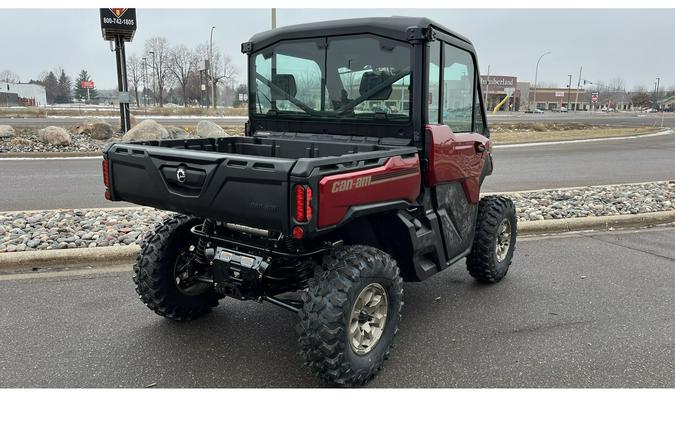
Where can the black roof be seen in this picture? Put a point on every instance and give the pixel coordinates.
(395, 27)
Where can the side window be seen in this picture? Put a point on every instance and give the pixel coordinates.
(434, 75)
(458, 89)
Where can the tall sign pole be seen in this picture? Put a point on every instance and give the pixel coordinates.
(119, 25)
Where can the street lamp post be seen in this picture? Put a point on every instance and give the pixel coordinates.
(569, 93)
(154, 93)
(213, 86)
(274, 18)
(536, 74)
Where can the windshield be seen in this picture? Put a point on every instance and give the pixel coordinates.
(335, 77)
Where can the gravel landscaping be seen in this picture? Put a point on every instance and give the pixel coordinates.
(28, 140)
(88, 228)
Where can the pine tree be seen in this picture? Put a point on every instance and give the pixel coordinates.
(81, 93)
(63, 90)
(51, 87)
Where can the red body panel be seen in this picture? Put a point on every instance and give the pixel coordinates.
(454, 157)
(398, 179)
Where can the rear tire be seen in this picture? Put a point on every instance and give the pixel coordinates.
(350, 315)
(494, 241)
(157, 269)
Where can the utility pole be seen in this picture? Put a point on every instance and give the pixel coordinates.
(569, 93)
(145, 83)
(656, 93)
(213, 85)
(536, 74)
(576, 100)
(154, 93)
(274, 18)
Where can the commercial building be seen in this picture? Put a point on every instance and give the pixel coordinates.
(26, 94)
(556, 98)
(500, 91)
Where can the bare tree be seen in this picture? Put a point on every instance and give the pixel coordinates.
(160, 47)
(135, 72)
(224, 72)
(182, 63)
(9, 76)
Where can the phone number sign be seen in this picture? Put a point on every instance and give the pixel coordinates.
(118, 21)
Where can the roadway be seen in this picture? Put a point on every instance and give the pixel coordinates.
(615, 119)
(77, 183)
(590, 310)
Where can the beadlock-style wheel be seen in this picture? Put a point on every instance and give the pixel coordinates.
(368, 318)
(503, 240)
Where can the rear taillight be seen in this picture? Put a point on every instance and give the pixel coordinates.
(300, 203)
(308, 203)
(303, 203)
(106, 174)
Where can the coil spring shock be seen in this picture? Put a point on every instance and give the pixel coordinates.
(303, 268)
(202, 244)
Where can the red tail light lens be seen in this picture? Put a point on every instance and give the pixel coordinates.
(298, 232)
(106, 174)
(303, 203)
(300, 203)
(308, 203)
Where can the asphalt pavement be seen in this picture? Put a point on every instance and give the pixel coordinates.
(601, 118)
(588, 310)
(77, 183)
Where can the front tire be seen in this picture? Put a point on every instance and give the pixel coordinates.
(163, 264)
(350, 315)
(494, 241)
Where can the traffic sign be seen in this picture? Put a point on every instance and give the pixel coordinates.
(594, 97)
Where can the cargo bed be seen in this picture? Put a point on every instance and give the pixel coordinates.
(243, 180)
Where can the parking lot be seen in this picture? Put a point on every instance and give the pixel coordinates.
(584, 310)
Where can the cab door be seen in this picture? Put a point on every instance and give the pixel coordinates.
(456, 146)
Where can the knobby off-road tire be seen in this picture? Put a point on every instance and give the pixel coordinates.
(494, 241)
(348, 275)
(154, 272)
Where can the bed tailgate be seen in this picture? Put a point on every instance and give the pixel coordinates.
(236, 188)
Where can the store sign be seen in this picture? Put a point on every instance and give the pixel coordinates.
(117, 21)
(499, 81)
(560, 93)
(87, 84)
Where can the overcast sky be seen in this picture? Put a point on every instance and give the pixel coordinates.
(636, 45)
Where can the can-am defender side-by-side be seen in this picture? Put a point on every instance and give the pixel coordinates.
(360, 168)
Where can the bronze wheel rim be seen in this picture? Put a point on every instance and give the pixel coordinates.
(503, 240)
(368, 318)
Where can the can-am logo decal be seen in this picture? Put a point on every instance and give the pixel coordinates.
(365, 181)
(180, 175)
(118, 11)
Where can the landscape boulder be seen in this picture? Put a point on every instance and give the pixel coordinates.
(54, 135)
(6, 131)
(176, 132)
(147, 130)
(207, 129)
(97, 129)
(101, 131)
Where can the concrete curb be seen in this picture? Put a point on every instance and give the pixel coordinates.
(80, 154)
(595, 223)
(127, 254)
(69, 257)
